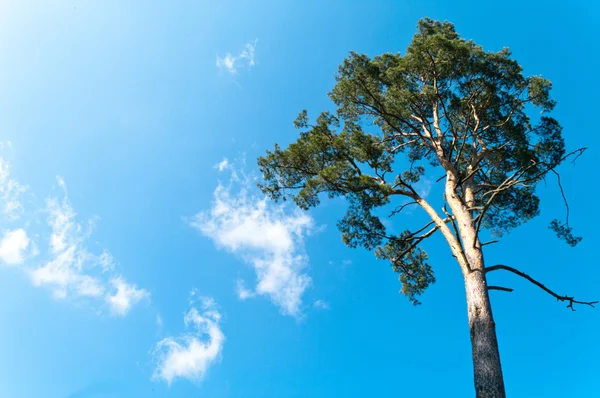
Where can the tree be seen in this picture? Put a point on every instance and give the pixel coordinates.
(448, 108)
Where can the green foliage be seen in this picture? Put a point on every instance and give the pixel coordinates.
(563, 231)
(446, 104)
(410, 262)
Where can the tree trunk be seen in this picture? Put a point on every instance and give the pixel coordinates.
(487, 369)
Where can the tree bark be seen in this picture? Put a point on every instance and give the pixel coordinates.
(487, 369)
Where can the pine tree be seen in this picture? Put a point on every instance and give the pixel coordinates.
(447, 109)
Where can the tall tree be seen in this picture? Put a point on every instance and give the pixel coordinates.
(448, 108)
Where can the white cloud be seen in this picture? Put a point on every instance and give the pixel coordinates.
(267, 237)
(72, 270)
(248, 53)
(69, 268)
(106, 261)
(223, 165)
(228, 63)
(65, 232)
(89, 286)
(13, 245)
(245, 58)
(10, 191)
(125, 297)
(243, 292)
(190, 355)
(321, 304)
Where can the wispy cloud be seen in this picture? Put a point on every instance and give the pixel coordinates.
(321, 304)
(190, 355)
(14, 242)
(223, 165)
(242, 291)
(266, 236)
(245, 58)
(73, 270)
(10, 192)
(69, 268)
(106, 261)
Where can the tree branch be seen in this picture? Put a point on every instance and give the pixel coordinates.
(489, 243)
(453, 241)
(503, 289)
(564, 197)
(516, 180)
(398, 209)
(569, 299)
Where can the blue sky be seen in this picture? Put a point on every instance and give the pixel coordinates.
(138, 260)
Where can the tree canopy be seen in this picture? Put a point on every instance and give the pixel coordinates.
(444, 107)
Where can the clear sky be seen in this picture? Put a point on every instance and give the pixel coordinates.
(138, 260)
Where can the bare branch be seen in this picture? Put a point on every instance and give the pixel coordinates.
(489, 243)
(578, 153)
(414, 244)
(562, 192)
(397, 147)
(400, 208)
(515, 180)
(503, 289)
(569, 299)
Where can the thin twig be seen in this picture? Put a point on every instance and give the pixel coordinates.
(400, 208)
(562, 192)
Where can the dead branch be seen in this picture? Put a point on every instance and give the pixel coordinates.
(400, 208)
(490, 242)
(569, 299)
(503, 289)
